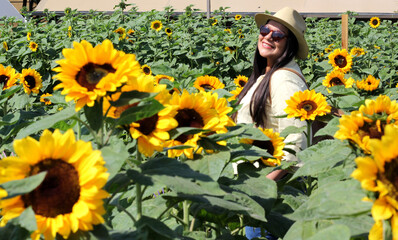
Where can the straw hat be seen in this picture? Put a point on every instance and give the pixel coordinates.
(291, 19)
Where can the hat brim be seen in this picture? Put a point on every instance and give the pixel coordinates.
(262, 18)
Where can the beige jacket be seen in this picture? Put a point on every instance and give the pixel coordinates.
(284, 84)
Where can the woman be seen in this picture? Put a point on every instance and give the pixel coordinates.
(275, 78)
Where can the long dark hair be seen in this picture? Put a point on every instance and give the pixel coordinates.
(262, 92)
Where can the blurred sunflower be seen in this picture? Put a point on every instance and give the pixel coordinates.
(168, 31)
(240, 80)
(214, 21)
(378, 173)
(193, 110)
(230, 49)
(356, 52)
(235, 93)
(70, 197)
(156, 25)
(374, 22)
(159, 78)
(228, 30)
(208, 83)
(238, 17)
(88, 73)
(121, 31)
(368, 84)
(241, 36)
(341, 59)
(240, 31)
(146, 69)
(31, 80)
(45, 100)
(368, 122)
(33, 46)
(8, 77)
(5, 45)
(69, 31)
(28, 36)
(274, 146)
(307, 105)
(335, 78)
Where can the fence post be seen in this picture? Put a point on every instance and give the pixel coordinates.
(344, 31)
(208, 9)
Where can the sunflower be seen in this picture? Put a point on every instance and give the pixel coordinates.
(208, 83)
(241, 36)
(356, 52)
(238, 17)
(335, 78)
(5, 45)
(28, 36)
(230, 49)
(240, 31)
(240, 80)
(214, 21)
(156, 25)
(193, 110)
(368, 122)
(70, 197)
(31, 80)
(168, 31)
(33, 46)
(341, 59)
(130, 32)
(222, 108)
(228, 30)
(8, 76)
(274, 146)
(368, 84)
(235, 93)
(122, 33)
(307, 105)
(378, 173)
(374, 22)
(146, 69)
(44, 98)
(160, 77)
(88, 73)
(69, 31)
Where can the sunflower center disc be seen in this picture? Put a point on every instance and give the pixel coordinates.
(340, 61)
(265, 145)
(58, 192)
(390, 178)
(3, 79)
(308, 106)
(188, 118)
(336, 81)
(147, 125)
(242, 83)
(31, 82)
(146, 70)
(207, 87)
(91, 74)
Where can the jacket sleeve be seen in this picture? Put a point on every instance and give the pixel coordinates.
(284, 84)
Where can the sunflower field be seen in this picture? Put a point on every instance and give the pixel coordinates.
(118, 126)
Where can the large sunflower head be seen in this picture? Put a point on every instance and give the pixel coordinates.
(240, 80)
(193, 110)
(208, 83)
(335, 78)
(33, 46)
(378, 173)
(70, 197)
(307, 105)
(274, 146)
(156, 25)
(8, 77)
(31, 80)
(88, 73)
(374, 22)
(382, 108)
(368, 84)
(341, 59)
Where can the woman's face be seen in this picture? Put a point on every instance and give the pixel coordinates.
(268, 47)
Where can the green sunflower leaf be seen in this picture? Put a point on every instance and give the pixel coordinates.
(18, 187)
(134, 114)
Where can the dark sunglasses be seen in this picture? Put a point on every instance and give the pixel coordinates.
(276, 35)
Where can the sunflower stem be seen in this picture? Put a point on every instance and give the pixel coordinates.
(138, 200)
(309, 133)
(185, 208)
